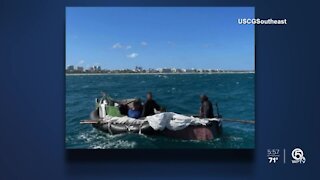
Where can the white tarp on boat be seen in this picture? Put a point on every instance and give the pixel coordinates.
(123, 120)
(173, 121)
(169, 120)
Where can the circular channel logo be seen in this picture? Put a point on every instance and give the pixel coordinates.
(298, 156)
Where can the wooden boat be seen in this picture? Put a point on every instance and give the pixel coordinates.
(193, 132)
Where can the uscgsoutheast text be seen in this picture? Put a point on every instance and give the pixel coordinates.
(262, 21)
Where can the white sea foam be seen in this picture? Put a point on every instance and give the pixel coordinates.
(234, 138)
(119, 144)
(99, 140)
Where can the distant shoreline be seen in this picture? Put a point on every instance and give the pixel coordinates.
(95, 74)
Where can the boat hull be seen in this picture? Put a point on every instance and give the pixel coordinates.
(196, 132)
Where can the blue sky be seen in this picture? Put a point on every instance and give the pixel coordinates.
(155, 37)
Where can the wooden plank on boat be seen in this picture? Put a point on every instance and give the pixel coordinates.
(89, 121)
(240, 121)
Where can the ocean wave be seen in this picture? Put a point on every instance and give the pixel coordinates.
(233, 138)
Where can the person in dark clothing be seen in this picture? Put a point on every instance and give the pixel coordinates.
(206, 109)
(149, 106)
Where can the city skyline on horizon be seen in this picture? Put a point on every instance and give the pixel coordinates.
(123, 38)
(104, 68)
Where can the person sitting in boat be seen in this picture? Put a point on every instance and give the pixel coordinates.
(149, 106)
(135, 111)
(206, 109)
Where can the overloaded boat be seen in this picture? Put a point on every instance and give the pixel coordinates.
(110, 116)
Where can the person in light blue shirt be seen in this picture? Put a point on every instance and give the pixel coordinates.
(135, 112)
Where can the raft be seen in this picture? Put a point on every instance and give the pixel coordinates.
(199, 129)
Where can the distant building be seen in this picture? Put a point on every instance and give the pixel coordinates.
(199, 70)
(138, 69)
(95, 68)
(80, 69)
(189, 70)
(70, 68)
(150, 70)
(179, 71)
(165, 70)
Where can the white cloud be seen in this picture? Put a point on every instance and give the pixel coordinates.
(81, 62)
(121, 46)
(132, 55)
(143, 43)
(117, 46)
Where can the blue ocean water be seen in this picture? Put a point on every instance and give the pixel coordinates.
(177, 92)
